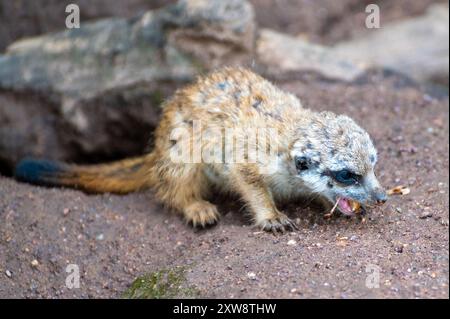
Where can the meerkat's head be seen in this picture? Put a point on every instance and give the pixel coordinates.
(335, 158)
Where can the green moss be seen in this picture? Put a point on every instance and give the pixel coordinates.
(166, 283)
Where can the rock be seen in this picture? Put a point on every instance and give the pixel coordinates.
(425, 215)
(45, 16)
(34, 263)
(417, 47)
(251, 276)
(95, 92)
(399, 248)
(292, 242)
(272, 48)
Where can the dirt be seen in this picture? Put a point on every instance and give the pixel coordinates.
(116, 239)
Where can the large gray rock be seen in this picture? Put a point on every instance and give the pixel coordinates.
(417, 47)
(100, 86)
(282, 53)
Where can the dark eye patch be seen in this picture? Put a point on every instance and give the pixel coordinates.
(345, 177)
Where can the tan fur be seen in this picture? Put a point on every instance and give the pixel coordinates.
(228, 98)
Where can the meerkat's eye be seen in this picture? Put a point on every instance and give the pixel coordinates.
(301, 163)
(346, 177)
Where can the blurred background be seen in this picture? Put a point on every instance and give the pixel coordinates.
(93, 94)
(321, 21)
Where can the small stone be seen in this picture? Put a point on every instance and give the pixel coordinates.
(8, 273)
(251, 276)
(426, 214)
(293, 290)
(34, 263)
(292, 242)
(66, 211)
(398, 249)
(100, 237)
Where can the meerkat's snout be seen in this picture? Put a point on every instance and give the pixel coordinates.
(376, 194)
(380, 196)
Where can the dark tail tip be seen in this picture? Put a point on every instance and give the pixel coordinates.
(39, 172)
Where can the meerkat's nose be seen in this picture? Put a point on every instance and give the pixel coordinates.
(380, 196)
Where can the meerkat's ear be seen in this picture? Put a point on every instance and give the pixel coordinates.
(302, 163)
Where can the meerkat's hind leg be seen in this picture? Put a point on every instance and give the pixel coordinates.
(185, 188)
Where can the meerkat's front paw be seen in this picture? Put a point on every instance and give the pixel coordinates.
(278, 223)
(201, 213)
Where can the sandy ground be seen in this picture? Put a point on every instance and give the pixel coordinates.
(114, 239)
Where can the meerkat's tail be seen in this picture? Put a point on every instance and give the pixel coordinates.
(120, 177)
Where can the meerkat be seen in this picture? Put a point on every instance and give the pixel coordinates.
(312, 154)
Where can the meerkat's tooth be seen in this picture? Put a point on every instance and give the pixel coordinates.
(356, 206)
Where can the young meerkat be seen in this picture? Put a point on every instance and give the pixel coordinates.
(320, 155)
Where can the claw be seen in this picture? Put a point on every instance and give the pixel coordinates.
(279, 225)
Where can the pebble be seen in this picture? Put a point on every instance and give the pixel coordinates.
(34, 263)
(8, 273)
(66, 211)
(100, 237)
(251, 275)
(292, 242)
(425, 215)
(398, 249)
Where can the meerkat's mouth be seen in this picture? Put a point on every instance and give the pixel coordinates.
(348, 206)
